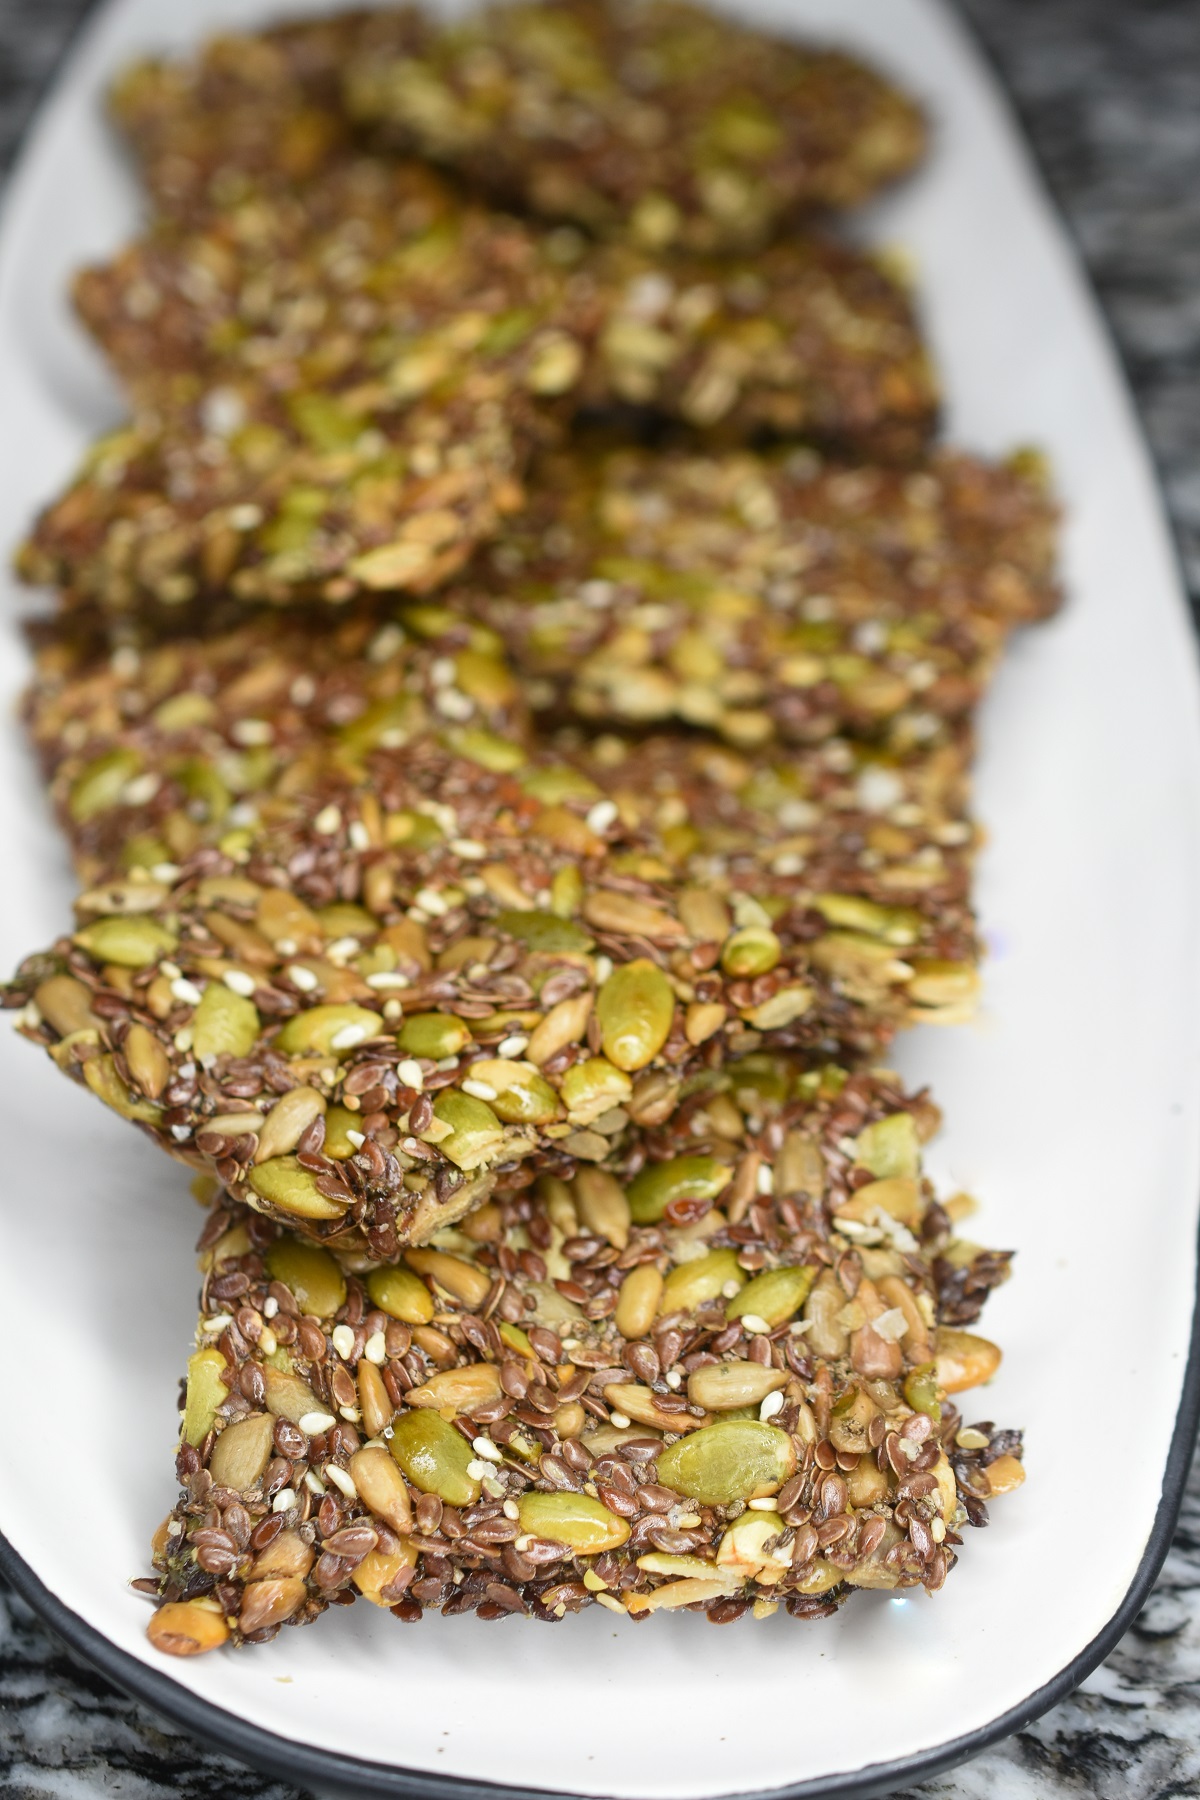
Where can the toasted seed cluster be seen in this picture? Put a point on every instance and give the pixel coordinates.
(648, 119)
(510, 708)
(677, 1388)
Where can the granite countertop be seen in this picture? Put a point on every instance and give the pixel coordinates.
(1110, 96)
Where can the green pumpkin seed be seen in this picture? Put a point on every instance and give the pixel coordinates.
(752, 951)
(584, 1524)
(735, 1459)
(635, 1008)
(101, 783)
(543, 932)
(726, 1386)
(683, 1178)
(593, 1087)
(284, 1184)
(310, 1273)
(205, 1393)
(476, 1134)
(491, 752)
(433, 1035)
(774, 1296)
(339, 1121)
(921, 1391)
(890, 1147)
(100, 1073)
(894, 924)
(328, 1030)
(690, 1284)
(132, 942)
(401, 1293)
(434, 1456)
(224, 1023)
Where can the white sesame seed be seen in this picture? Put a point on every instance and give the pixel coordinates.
(125, 662)
(445, 1063)
(313, 1423)
(387, 641)
(471, 848)
(216, 1325)
(267, 1341)
(238, 982)
(772, 1404)
(970, 1439)
(252, 732)
(479, 1090)
(286, 946)
(511, 1510)
(620, 1420)
(674, 1378)
(409, 1072)
(753, 1324)
(351, 1414)
(301, 977)
(512, 1046)
(284, 1500)
(431, 902)
(303, 691)
(453, 705)
(766, 1505)
(313, 1483)
(442, 671)
(141, 789)
(357, 1138)
(343, 1340)
(359, 836)
(181, 1133)
(686, 1520)
(477, 1470)
(174, 1527)
(222, 412)
(348, 1037)
(270, 1307)
(937, 1530)
(166, 871)
(342, 949)
(245, 517)
(328, 820)
(171, 970)
(604, 968)
(385, 979)
(186, 991)
(341, 1481)
(375, 1349)
(393, 1012)
(483, 1446)
(602, 815)
(765, 1179)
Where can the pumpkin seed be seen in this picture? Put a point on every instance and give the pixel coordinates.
(735, 1459)
(775, 1296)
(635, 1008)
(434, 1456)
(284, 1184)
(310, 1273)
(658, 1185)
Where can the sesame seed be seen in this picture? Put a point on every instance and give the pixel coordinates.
(301, 977)
(217, 1323)
(477, 1470)
(252, 732)
(351, 1414)
(385, 979)
(483, 1446)
(765, 1505)
(313, 1483)
(375, 1349)
(342, 949)
(772, 1404)
(357, 1138)
(611, 1602)
(171, 970)
(181, 1133)
(453, 705)
(303, 691)
(238, 982)
(479, 1090)
(620, 1420)
(971, 1439)
(409, 1072)
(674, 1378)
(388, 640)
(328, 820)
(348, 1037)
(764, 1181)
(511, 1510)
(343, 1340)
(753, 1324)
(512, 1046)
(604, 969)
(730, 1289)
(141, 790)
(284, 1500)
(359, 836)
(270, 1307)
(471, 848)
(313, 1423)
(341, 1481)
(602, 815)
(431, 902)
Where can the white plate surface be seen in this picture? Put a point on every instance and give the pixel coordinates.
(1073, 1106)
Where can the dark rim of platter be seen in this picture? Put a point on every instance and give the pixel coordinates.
(310, 1767)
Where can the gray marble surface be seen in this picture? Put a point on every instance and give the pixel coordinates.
(1110, 94)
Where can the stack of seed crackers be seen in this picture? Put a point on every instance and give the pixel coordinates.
(510, 700)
